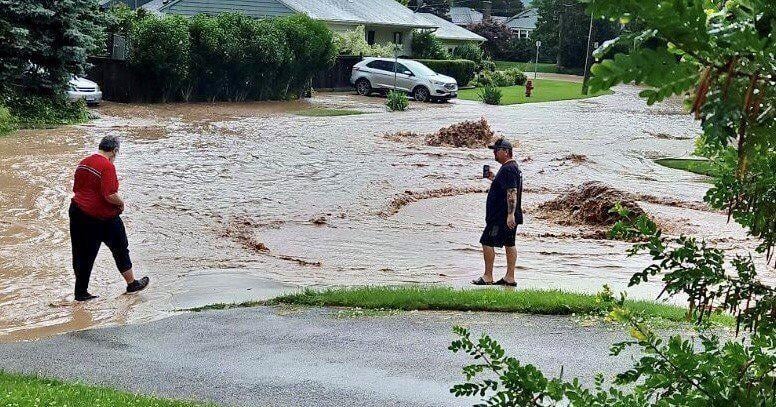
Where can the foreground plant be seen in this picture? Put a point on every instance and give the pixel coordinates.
(490, 95)
(397, 100)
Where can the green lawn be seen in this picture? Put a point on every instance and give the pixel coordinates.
(30, 391)
(320, 111)
(697, 166)
(545, 90)
(409, 298)
(526, 66)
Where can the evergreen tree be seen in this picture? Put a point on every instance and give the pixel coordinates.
(44, 42)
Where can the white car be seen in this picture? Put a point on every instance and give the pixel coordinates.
(380, 74)
(82, 88)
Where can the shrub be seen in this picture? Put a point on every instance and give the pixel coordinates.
(488, 65)
(397, 100)
(518, 77)
(470, 51)
(426, 45)
(490, 94)
(312, 44)
(353, 42)
(6, 120)
(160, 52)
(31, 111)
(502, 78)
(461, 70)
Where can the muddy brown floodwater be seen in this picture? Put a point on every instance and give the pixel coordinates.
(230, 202)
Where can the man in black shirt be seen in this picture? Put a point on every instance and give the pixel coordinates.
(502, 214)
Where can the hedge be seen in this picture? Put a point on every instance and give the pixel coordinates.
(462, 70)
(228, 57)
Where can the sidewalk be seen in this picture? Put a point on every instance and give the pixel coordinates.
(308, 357)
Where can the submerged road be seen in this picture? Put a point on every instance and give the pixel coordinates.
(268, 356)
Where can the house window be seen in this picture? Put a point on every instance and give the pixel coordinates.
(370, 37)
(398, 38)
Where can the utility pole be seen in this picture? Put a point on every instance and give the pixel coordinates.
(587, 57)
(560, 36)
(536, 63)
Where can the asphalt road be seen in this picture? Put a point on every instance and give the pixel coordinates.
(269, 356)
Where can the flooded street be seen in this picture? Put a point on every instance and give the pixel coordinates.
(231, 202)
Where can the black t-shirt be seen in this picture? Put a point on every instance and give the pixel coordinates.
(508, 176)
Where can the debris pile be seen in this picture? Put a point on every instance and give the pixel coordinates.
(469, 134)
(409, 197)
(465, 134)
(590, 204)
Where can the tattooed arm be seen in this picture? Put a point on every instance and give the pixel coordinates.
(511, 205)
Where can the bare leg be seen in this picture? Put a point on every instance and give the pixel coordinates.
(511, 260)
(490, 256)
(129, 276)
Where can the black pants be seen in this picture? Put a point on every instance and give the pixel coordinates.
(86, 235)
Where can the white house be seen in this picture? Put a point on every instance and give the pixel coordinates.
(523, 23)
(451, 35)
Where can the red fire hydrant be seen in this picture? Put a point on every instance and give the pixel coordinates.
(528, 88)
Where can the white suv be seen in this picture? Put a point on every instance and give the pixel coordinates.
(381, 74)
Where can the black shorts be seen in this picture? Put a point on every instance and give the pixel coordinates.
(498, 235)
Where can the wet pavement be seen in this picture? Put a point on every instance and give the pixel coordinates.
(229, 202)
(268, 356)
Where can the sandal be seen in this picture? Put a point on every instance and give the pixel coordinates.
(504, 282)
(480, 281)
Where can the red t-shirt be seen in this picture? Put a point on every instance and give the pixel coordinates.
(95, 179)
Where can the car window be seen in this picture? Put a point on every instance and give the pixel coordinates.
(374, 65)
(381, 65)
(400, 68)
(419, 69)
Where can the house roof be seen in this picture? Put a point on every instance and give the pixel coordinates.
(154, 6)
(448, 30)
(374, 12)
(464, 16)
(526, 19)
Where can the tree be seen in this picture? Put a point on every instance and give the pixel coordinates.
(573, 33)
(507, 8)
(440, 8)
(718, 53)
(45, 42)
(498, 38)
(425, 45)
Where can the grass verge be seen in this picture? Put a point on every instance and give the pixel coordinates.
(697, 166)
(22, 391)
(410, 298)
(545, 90)
(320, 112)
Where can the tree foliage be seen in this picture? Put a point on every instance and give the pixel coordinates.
(574, 31)
(721, 54)
(353, 42)
(45, 42)
(498, 36)
(426, 45)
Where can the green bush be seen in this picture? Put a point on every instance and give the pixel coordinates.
(397, 100)
(470, 51)
(6, 120)
(229, 57)
(488, 65)
(461, 70)
(518, 77)
(32, 111)
(426, 45)
(353, 42)
(312, 44)
(490, 94)
(160, 53)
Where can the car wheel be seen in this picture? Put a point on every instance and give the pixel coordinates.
(363, 87)
(422, 94)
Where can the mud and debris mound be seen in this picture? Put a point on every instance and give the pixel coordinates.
(471, 134)
(573, 158)
(465, 134)
(591, 204)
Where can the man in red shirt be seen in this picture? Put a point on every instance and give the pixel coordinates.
(94, 219)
